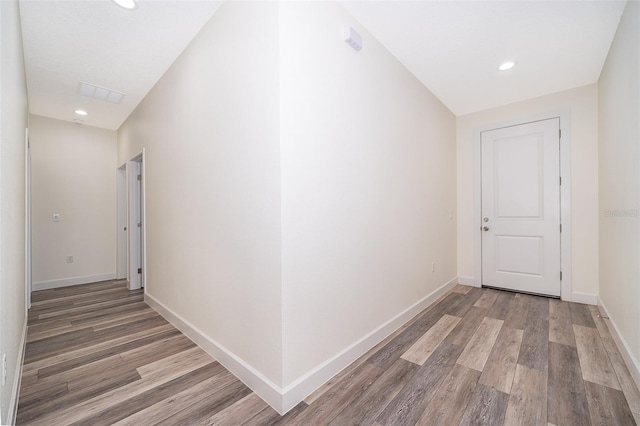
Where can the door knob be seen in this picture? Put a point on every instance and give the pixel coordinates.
(486, 219)
(485, 228)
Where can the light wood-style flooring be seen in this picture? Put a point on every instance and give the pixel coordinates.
(97, 354)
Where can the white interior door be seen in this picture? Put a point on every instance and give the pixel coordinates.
(521, 207)
(136, 232)
(140, 233)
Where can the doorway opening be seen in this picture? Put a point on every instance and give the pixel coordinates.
(131, 257)
(136, 222)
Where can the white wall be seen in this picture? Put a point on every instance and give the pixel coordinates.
(582, 104)
(212, 157)
(13, 121)
(619, 168)
(73, 173)
(368, 181)
(361, 153)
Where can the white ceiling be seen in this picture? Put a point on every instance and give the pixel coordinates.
(98, 42)
(453, 47)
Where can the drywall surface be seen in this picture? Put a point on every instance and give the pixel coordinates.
(582, 106)
(210, 130)
(255, 138)
(619, 168)
(72, 175)
(368, 186)
(13, 121)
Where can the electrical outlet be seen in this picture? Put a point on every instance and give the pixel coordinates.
(433, 266)
(56, 217)
(4, 369)
(69, 259)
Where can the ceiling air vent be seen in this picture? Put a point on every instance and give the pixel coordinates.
(101, 93)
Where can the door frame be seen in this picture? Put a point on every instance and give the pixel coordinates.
(27, 222)
(122, 245)
(565, 196)
(136, 246)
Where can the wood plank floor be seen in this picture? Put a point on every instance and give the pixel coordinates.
(97, 354)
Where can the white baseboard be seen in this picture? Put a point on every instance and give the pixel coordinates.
(466, 281)
(261, 385)
(623, 347)
(15, 390)
(64, 282)
(586, 298)
(282, 400)
(305, 385)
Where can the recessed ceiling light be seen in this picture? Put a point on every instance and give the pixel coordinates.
(127, 4)
(507, 66)
(81, 112)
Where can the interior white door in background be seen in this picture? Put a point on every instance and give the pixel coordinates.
(140, 225)
(136, 225)
(520, 222)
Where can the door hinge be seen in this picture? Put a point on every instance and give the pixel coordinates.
(560, 275)
(139, 224)
(139, 177)
(560, 180)
(561, 228)
(139, 270)
(559, 133)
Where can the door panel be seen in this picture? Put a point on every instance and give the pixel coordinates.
(519, 255)
(521, 207)
(518, 177)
